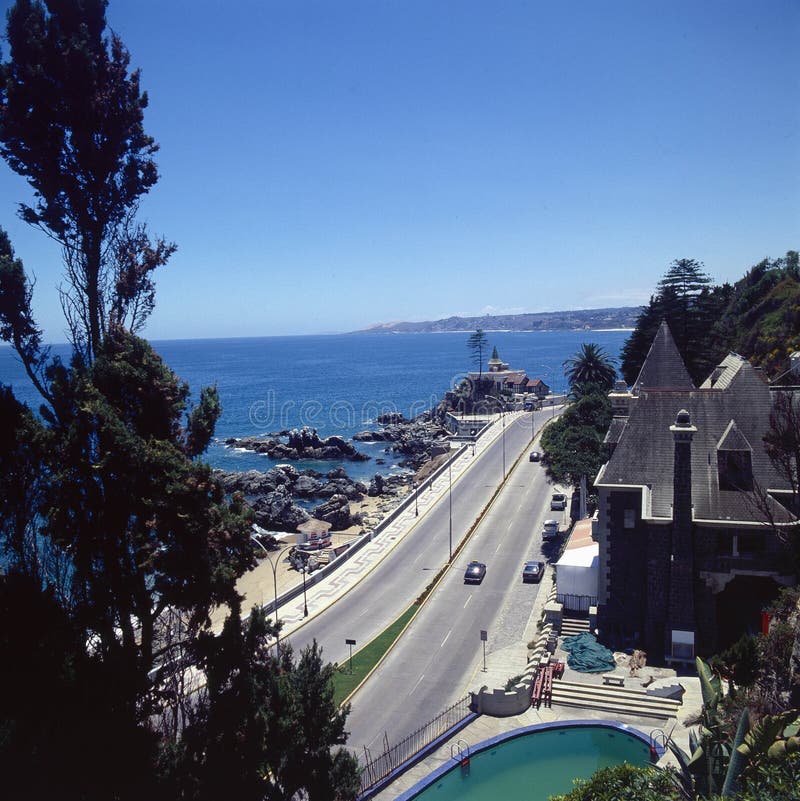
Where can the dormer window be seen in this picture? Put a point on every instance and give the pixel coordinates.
(734, 460)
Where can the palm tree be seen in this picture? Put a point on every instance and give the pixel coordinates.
(591, 365)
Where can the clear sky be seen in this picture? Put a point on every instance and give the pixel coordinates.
(327, 165)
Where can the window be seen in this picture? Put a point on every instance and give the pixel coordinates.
(629, 520)
(735, 470)
(683, 645)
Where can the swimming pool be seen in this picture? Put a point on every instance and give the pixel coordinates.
(535, 762)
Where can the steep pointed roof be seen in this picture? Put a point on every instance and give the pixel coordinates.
(733, 439)
(495, 358)
(663, 368)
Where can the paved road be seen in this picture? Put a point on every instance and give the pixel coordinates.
(440, 656)
(392, 586)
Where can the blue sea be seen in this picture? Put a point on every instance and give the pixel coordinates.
(337, 384)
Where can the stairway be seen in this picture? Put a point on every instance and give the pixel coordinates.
(617, 700)
(574, 625)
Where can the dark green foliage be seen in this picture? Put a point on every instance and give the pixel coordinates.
(758, 317)
(476, 345)
(71, 123)
(773, 780)
(625, 783)
(691, 307)
(591, 365)
(117, 540)
(573, 444)
(739, 663)
(268, 723)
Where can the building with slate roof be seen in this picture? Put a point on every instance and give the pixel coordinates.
(687, 561)
(514, 382)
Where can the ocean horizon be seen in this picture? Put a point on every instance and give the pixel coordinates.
(336, 383)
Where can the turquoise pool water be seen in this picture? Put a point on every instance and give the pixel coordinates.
(535, 763)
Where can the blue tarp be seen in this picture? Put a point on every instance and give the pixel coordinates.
(586, 655)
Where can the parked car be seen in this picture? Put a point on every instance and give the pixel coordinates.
(474, 573)
(558, 502)
(535, 456)
(550, 529)
(532, 572)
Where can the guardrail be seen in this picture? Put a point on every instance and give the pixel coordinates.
(359, 543)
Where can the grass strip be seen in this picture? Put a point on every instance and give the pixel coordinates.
(365, 659)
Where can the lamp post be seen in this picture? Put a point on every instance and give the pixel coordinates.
(416, 499)
(305, 602)
(274, 566)
(503, 414)
(450, 474)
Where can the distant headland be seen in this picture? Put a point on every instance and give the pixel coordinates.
(581, 319)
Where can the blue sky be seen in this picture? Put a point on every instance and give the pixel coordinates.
(328, 165)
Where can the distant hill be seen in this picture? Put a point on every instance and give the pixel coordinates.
(582, 319)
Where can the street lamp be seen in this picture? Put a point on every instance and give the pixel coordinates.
(450, 474)
(416, 498)
(503, 414)
(305, 602)
(274, 566)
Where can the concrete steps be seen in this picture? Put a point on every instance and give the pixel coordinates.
(618, 700)
(574, 625)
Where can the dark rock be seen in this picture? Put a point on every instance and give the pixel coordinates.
(335, 511)
(376, 486)
(277, 511)
(390, 417)
(302, 443)
(306, 487)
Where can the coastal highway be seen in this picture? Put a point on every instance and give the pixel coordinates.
(440, 656)
(508, 535)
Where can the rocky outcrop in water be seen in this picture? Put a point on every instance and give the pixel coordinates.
(302, 443)
(277, 511)
(417, 440)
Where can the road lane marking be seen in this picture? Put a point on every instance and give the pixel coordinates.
(498, 547)
(445, 639)
(417, 684)
(469, 598)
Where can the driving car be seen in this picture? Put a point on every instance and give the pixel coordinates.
(550, 529)
(532, 571)
(558, 502)
(474, 573)
(535, 456)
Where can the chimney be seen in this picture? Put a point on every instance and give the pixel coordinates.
(681, 567)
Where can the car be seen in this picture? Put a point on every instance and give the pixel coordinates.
(532, 571)
(474, 573)
(550, 529)
(535, 456)
(558, 502)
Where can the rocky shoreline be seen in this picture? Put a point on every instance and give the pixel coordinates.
(273, 494)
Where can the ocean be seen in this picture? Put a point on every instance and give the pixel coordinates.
(337, 384)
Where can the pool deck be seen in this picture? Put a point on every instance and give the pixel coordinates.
(511, 660)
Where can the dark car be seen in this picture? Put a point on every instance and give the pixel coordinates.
(532, 571)
(535, 456)
(474, 573)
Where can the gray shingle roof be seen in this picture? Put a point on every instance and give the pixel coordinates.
(645, 451)
(663, 368)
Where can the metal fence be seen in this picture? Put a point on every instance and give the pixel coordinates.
(379, 767)
(576, 603)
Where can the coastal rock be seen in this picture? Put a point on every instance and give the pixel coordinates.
(302, 443)
(376, 486)
(390, 417)
(370, 436)
(336, 511)
(277, 511)
(306, 487)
